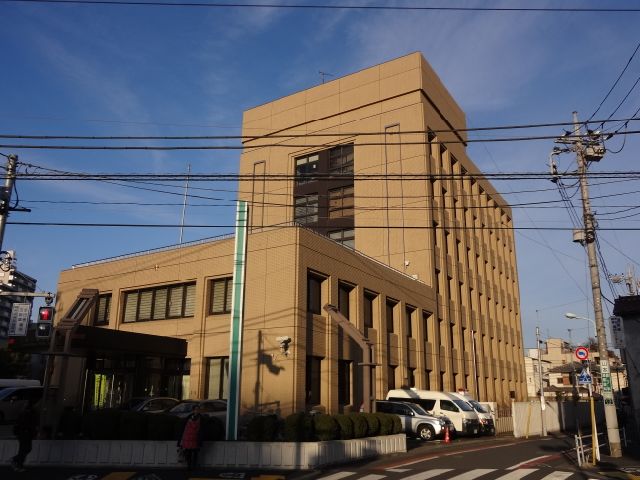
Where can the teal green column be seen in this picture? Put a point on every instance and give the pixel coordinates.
(237, 316)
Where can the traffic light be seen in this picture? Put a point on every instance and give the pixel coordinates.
(45, 314)
(43, 330)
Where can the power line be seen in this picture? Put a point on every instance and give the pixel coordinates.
(328, 6)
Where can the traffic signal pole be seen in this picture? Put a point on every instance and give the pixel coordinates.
(590, 235)
(5, 193)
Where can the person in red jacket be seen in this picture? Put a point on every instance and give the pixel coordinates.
(191, 438)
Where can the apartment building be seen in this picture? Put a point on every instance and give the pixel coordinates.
(361, 196)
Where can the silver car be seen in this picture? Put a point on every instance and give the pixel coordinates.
(415, 420)
(211, 408)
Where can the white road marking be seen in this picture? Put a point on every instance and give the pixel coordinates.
(517, 474)
(398, 470)
(428, 474)
(530, 460)
(473, 474)
(557, 476)
(372, 476)
(337, 476)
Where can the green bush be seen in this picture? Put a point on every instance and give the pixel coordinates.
(386, 423)
(373, 424)
(298, 427)
(132, 426)
(397, 424)
(102, 424)
(325, 427)
(162, 426)
(346, 426)
(263, 428)
(360, 426)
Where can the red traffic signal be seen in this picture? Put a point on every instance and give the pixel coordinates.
(45, 314)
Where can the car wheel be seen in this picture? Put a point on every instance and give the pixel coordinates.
(426, 432)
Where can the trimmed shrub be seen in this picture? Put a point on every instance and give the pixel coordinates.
(263, 428)
(360, 426)
(132, 426)
(373, 424)
(397, 424)
(212, 429)
(386, 423)
(161, 426)
(325, 427)
(298, 427)
(102, 424)
(345, 424)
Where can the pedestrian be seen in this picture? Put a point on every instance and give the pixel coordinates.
(191, 438)
(25, 430)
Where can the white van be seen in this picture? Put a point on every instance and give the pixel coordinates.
(18, 382)
(459, 411)
(487, 425)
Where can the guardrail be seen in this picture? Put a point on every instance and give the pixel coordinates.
(585, 453)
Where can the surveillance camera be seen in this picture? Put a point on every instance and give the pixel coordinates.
(285, 340)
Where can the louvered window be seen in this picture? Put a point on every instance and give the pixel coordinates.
(173, 301)
(221, 289)
(102, 310)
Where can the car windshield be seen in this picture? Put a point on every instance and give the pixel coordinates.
(419, 410)
(183, 407)
(479, 408)
(132, 403)
(464, 406)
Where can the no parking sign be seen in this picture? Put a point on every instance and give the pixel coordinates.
(582, 353)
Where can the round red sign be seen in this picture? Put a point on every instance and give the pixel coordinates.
(582, 353)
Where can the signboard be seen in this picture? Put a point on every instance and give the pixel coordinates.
(584, 378)
(617, 331)
(19, 322)
(582, 353)
(605, 376)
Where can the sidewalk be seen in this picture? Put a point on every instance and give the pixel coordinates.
(625, 467)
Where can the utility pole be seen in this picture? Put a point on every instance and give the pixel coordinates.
(5, 194)
(541, 378)
(592, 150)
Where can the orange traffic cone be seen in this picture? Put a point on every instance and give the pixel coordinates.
(446, 435)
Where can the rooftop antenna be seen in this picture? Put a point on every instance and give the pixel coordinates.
(323, 75)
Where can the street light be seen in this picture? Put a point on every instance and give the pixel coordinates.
(573, 316)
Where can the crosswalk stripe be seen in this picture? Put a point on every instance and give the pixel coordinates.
(557, 476)
(371, 476)
(517, 474)
(397, 470)
(337, 476)
(428, 474)
(472, 474)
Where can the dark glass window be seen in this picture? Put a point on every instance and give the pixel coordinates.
(341, 202)
(426, 316)
(306, 167)
(306, 209)
(411, 377)
(390, 306)
(409, 314)
(346, 237)
(173, 301)
(344, 289)
(102, 310)
(391, 381)
(369, 298)
(313, 380)
(341, 159)
(221, 290)
(344, 382)
(314, 293)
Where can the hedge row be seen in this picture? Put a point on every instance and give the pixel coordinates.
(110, 424)
(303, 427)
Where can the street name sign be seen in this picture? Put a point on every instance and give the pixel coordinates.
(19, 321)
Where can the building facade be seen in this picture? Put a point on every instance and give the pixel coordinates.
(398, 230)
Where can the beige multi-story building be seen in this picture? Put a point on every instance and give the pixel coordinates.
(361, 196)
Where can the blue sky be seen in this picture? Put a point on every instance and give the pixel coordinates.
(106, 70)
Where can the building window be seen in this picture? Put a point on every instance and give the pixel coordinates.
(221, 289)
(346, 237)
(426, 319)
(409, 313)
(341, 159)
(313, 380)
(306, 167)
(344, 289)
(344, 382)
(369, 298)
(102, 310)
(314, 293)
(411, 380)
(217, 377)
(390, 306)
(306, 209)
(391, 381)
(159, 303)
(341, 202)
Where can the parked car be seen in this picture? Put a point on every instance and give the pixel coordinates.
(211, 408)
(435, 402)
(14, 399)
(416, 422)
(487, 426)
(150, 404)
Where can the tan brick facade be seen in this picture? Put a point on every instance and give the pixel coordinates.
(439, 248)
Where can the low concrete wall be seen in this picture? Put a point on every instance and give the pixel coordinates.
(564, 416)
(141, 453)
